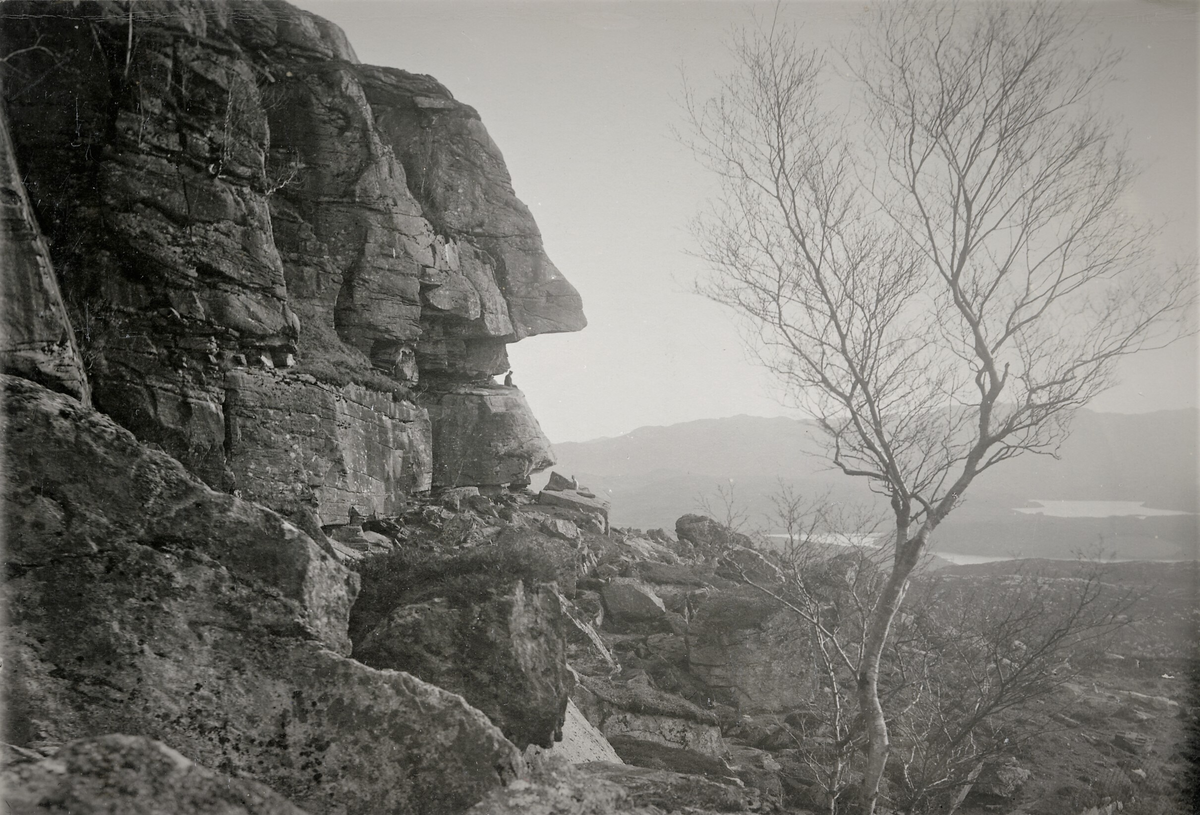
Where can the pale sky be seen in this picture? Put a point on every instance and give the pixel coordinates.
(581, 99)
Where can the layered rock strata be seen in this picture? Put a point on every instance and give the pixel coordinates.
(237, 210)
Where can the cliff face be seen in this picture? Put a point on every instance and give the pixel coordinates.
(272, 256)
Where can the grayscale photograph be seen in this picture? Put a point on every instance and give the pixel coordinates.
(600, 407)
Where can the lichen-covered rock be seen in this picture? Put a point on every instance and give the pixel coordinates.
(80, 490)
(148, 179)
(132, 775)
(36, 341)
(485, 437)
(505, 654)
(141, 602)
(564, 791)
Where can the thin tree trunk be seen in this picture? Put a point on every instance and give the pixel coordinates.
(907, 552)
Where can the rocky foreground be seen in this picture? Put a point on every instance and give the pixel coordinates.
(172, 648)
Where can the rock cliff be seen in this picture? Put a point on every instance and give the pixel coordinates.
(266, 249)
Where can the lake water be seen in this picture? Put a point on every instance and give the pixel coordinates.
(1052, 509)
(968, 560)
(1096, 509)
(873, 541)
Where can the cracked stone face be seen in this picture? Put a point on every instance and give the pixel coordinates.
(245, 216)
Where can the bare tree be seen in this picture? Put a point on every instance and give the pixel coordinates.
(959, 673)
(940, 273)
(973, 656)
(724, 507)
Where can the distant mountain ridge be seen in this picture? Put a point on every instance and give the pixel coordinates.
(654, 474)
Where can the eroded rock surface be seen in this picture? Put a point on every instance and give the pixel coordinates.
(505, 654)
(645, 713)
(561, 792)
(676, 792)
(294, 440)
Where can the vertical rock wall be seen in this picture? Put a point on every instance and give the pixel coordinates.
(265, 247)
(294, 440)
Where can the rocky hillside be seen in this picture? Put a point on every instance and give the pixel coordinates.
(270, 546)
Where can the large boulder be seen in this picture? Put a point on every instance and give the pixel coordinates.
(642, 712)
(132, 775)
(999, 782)
(709, 538)
(141, 602)
(753, 653)
(627, 600)
(558, 482)
(504, 653)
(485, 437)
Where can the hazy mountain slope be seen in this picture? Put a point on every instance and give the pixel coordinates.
(731, 447)
(654, 474)
(1147, 457)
